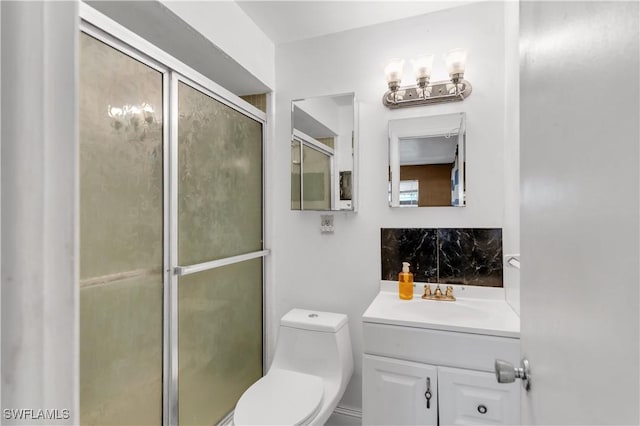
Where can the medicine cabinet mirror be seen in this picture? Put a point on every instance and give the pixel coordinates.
(427, 161)
(323, 153)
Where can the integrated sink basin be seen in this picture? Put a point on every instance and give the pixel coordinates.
(461, 309)
(468, 315)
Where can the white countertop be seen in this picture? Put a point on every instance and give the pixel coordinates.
(492, 317)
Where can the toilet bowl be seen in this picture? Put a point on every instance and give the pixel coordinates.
(310, 371)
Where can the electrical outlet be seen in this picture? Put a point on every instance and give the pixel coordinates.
(326, 224)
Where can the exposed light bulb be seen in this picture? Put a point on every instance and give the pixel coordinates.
(393, 72)
(422, 66)
(456, 61)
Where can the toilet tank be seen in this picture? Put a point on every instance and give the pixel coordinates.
(314, 320)
(314, 342)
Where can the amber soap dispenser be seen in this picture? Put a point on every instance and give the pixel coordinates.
(405, 282)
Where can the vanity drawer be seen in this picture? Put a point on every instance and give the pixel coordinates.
(446, 348)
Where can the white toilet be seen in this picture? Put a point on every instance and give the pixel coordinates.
(311, 367)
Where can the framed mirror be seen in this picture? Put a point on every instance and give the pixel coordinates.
(427, 161)
(323, 153)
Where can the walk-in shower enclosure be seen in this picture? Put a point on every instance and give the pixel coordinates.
(171, 236)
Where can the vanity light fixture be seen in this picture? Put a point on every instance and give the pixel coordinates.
(424, 92)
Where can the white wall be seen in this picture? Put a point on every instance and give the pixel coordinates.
(341, 272)
(511, 236)
(231, 30)
(39, 205)
(216, 38)
(323, 110)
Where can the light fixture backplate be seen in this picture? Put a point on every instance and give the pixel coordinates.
(412, 95)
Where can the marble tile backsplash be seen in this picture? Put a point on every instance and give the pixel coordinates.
(470, 256)
(417, 246)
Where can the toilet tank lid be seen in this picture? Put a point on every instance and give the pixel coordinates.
(314, 320)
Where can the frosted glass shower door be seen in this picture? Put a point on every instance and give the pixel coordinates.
(219, 211)
(316, 179)
(121, 237)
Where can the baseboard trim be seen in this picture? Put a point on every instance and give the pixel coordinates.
(350, 412)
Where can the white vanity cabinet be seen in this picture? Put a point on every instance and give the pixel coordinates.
(394, 392)
(408, 352)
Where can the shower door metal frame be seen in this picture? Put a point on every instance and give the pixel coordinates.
(113, 34)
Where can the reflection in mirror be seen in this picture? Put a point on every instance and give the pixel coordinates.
(427, 161)
(296, 161)
(322, 153)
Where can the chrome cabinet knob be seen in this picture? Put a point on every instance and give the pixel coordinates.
(507, 373)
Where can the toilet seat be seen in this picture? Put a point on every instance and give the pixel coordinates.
(282, 397)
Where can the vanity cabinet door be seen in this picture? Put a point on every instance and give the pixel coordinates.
(474, 397)
(394, 392)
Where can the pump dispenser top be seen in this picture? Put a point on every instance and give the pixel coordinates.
(405, 266)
